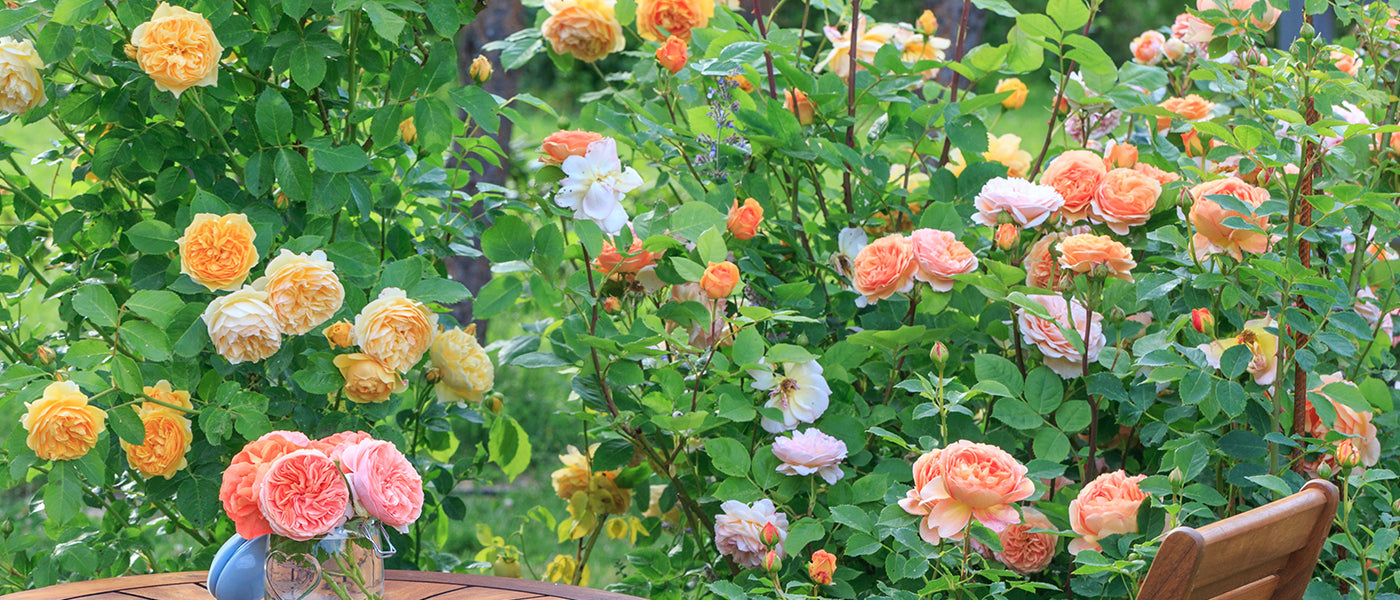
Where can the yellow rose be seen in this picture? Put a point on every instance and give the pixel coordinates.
(466, 370)
(162, 391)
(338, 335)
(168, 438)
(480, 70)
(1018, 90)
(1007, 150)
(395, 330)
(408, 131)
(659, 19)
(61, 424)
(587, 29)
(217, 252)
(561, 570)
(178, 49)
(366, 380)
(577, 470)
(243, 326)
(20, 86)
(303, 290)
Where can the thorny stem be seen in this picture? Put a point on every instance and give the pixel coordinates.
(957, 77)
(767, 55)
(588, 548)
(1059, 97)
(899, 364)
(850, 105)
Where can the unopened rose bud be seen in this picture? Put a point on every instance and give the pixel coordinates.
(432, 375)
(44, 355)
(769, 535)
(938, 353)
(927, 23)
(673, 54)
(496, 405)
(7, 528)
(1347, 456)
(821, 568)
(772, 562)
(480, 70)
(1324, 470)
(797, 103)
(1176, 478)
(1307, 33)
(1174, 49)
(408, 132)
(506, 567)
(1007, 235)
(130, 51)
(1202, 321)
(281, 202)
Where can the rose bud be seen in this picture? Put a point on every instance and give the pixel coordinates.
(772, 562)
(1202, 321)
(769, 535)
(823, 565)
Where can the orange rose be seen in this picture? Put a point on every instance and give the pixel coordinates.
(563, 144)
(1147, 48)
(742, 82)
(720, 279)
(168, 438)
(1024, 552)
(1106, 506)
(744, 220)
(162, 391)
(1042, 269)
(1007, 235)
(823, 565)
(587, 29)
(1125, 199)
(611, 262)
(61, 424)
(938, 256)
(1018, 90)
(1120, 156)
(797, 103)
(1213, 236)
(1364, 445)
(217, 252)
(366, 379)
(672, 54)
(1087, 253)
(178, 49)
(1191, 108)
(884, 267)
(1076, 175)
(1345, 62)
(1161, 176)
(659, 18)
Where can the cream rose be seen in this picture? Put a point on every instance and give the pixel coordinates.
(1106, 506)
(178, 49)
(737, 530)
(466, 371)
(20, 87)
(243, 326)
(395, 330)
(303, 290)
(1024, 203)
(1060, 354)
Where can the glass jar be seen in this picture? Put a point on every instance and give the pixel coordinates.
(345, 564)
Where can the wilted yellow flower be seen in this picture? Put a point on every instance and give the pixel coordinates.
(61, 424)
(168, 438)
(178, 49)
(303, 290)
(480, 70)
(243, 326)
(466, 371)
(628, 527)
(20, 86)
(395, 330)
(561, 570)
(366, 380)
(408, 132)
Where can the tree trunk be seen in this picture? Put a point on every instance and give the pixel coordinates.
(949, 15)
(496, 21)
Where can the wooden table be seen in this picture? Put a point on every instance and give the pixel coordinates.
(398, 585)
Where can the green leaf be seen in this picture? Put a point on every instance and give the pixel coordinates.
(444, 17)
(293, 174)
(439, 290)
(96, 303)
(1073, 416)
(341, 159)
(274, 117)
(480, 105)
(496, 296)
(989, 367)
(152, 237)
(1044, 390)
(1068, 14)
(802, 533)
(15, 19)
(612, 453)
(63, 495)
(1016, 413)
(319, 380)
(1001, 7)
(969, 134)
(852, 517)
(711, 246)
(729, 456)
(1235, 360)
(402, 273)
(387, 24)
(693, 219)
(198, 499)
(127, 424)
(509, 446)
(308, 66)
(145, 339)
(157, 306)
(353, 259)
(74, 12)
(506, 240)
(1241, 444)
(1272, 483)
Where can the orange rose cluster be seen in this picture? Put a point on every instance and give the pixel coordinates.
(891, 264)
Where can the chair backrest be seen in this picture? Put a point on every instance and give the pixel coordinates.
(1267, 553)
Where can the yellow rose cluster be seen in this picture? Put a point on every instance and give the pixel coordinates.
(168, 433)
(393, 333)
(591, 494)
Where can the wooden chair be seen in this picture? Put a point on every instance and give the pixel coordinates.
(1267, 553)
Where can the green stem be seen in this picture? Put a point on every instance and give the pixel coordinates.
(588, 548)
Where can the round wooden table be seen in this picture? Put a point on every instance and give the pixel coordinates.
(398, 585)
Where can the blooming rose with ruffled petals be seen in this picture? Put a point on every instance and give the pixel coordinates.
(823, 564)
(885, 267)
(656, 19)
(303, 290)
(1147, 48)
(612, 262)
(801, 393)
(162, 451)
(1162, 177)
(303, 495)
(1084, 252)
(237, 491)
(466, 371)
(972, 481)
(744, 219)
(395, 330)
(1364, 444)
(1192, 108)
(21, 90)
(1212, 235)
(1060, 354)
(162, 391)
(1263, 347)
(243, 326)
(1024, 203)
(938, 256)
(1108, 505)
(595, 184)
(335, 444)
(1125, 199)
(367, 379)
(1024, 551)
(811, 452)
(587, 29)
(386, 485)
(178, 49)
(61, 423)
(217, 251)
(1076, 175)
(1271, 14)
(919, 499)
(565, 143)
(738, 527)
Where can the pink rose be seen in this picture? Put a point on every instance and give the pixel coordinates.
(1022, 202)
(811, 452)
(1060, 354)
(1023, 551)
(737, 531)
(1107, 506)
(385, 483)
(969, 481)
(238, 490)
(939, 256)
(335, 444)
(303, 495)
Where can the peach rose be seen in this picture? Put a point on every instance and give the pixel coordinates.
(339, 334)
(1191, 108)
(966, 481)
(1126, 199)
(658, 18)
(587, 29)
(1017, 201)
(1147, 48)
(237, 490)
(1043, 268)
(335, 444)
(1119, 155)
(1018, 90)
(1364, 443)
(1162, 177)
(61, 423)
(938, 256)
(1212, 235)
(178, 49)
(720, 279)
(243, 327)
(217, 251)
(1059, 353)
(168, 438)
(303, 495)
(1023, 551)
(810, 452)
(21, 90)
(612, 262)
(823, 564)
(1084, 252)
(672, 54)
(1345, 62)
(1108, 505)
(1190, 29)
(386, 485)
(565, 143)
(737, 531)
(395, 330)
(162, 391)
(466, 371)
(885, 267)
(408, 131)
(744, 220)
(797, 103)
(302, 289)
(367, 379)
(1076, 175)
(1271, 14)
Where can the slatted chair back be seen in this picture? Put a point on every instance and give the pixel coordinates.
(1267, 553)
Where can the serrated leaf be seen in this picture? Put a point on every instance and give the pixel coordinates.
(96, 304)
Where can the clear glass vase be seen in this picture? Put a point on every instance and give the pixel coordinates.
(345, 564)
